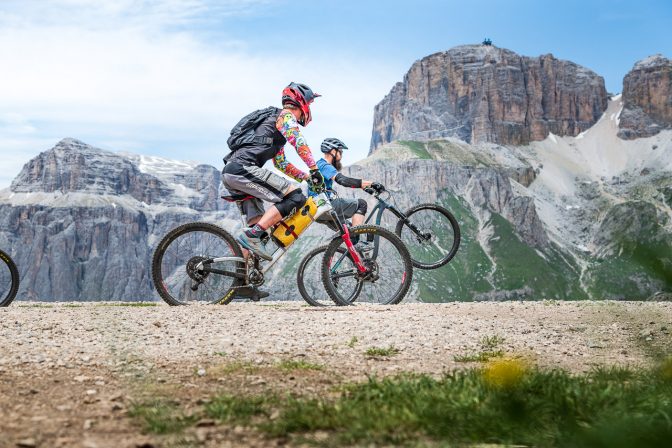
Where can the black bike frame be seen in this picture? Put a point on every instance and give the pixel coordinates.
(383, 205)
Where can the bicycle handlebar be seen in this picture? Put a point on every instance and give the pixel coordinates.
(375, 189)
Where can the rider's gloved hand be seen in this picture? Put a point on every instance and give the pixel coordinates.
(316, 180)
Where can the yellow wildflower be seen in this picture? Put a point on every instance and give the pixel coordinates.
(504, 372)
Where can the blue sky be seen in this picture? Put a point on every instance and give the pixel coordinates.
(170, 77)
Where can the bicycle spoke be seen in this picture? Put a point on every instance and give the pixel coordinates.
(342, 273)
(309, 279)
(179, 267)
(436, 239)
(388, 268)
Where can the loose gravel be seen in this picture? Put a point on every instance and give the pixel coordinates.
(68, 371)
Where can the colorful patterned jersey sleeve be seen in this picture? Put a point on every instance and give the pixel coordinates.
(289, 127)
(281, 163)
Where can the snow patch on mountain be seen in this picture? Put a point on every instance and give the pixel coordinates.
(573, 171)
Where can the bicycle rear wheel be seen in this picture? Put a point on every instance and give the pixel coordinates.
(389, 270)
(431, 234)
(177, 270)
(9, 279)
(311, 287)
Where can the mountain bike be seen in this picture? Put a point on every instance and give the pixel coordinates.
(203, 263)
(9, 279)
(430, 232)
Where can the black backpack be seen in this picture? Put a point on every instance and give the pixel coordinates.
(242, 133)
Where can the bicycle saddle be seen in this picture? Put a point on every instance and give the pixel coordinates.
(237, 197)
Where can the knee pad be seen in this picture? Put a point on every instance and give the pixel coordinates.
(291, 203)
(362, 207)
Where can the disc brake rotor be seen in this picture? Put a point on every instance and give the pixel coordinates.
(192, 270)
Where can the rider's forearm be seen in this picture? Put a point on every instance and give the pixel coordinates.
(346, 181)
(284, 165)
(289, 128)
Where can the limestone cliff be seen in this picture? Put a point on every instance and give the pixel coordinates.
(487, 94)
(647, 98)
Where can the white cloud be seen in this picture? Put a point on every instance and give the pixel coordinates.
(136, 76)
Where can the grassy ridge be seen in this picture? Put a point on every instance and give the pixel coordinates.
(520, 266)
(505, 402)
(638, 263)
(467, 273)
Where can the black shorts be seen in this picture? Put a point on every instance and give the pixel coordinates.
(261, 183)
(344, 208)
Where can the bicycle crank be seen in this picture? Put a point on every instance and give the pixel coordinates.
(372, 271)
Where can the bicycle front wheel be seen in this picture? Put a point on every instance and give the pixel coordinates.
(389, 270)
(179, 275)
(311, 286)
(431, 234)
(9, 279)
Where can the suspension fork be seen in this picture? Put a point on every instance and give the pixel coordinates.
(351, 249)
(408, 223)
(345, 236)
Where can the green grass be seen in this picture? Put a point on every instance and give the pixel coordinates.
(160, 417)
(238, 409)
(352, 342)
(381, 352)
(491, 342)
(482, 356)
(292, 364)
(417, 148)
(520, 266)
(35, 305)
(545, 408)
(489, 350)
(644, 254)
(504, 403)
(466, 274)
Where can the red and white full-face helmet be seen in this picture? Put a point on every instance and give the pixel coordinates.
(301, 96)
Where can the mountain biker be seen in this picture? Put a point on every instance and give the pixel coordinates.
(330, 167)
(244, 174)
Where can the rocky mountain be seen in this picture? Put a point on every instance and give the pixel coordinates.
(564, 209)
(647, 98)
(81, 222)
(481, 93)
(559, 193)
(564, 218)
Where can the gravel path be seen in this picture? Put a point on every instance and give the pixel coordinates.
(73, 368)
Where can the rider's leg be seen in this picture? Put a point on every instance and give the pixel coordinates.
(360, 213)
(266, 185)
(251, 237)
(287, 206)
(354, 209)
(255, 209)
(256, 230)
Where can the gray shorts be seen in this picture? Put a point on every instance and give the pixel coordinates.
(344, 208)
(261, 183)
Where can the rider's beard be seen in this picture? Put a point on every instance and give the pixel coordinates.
(337, 164)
